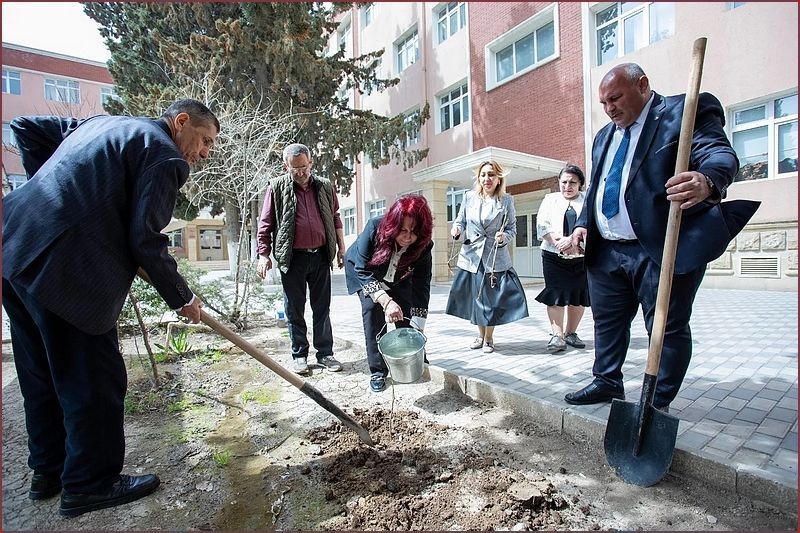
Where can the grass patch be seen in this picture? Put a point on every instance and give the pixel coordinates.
(262, 395)
(179, 406)
(221, 459)
(130, 405)
(209, 357)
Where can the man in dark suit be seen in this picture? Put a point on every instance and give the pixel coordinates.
(100, 192)
(623, 224)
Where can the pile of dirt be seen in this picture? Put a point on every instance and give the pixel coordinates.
(413, 479)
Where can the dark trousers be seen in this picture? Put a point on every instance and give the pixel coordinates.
(310, 270)
(621, 278)
(73, 385)
(375, 319)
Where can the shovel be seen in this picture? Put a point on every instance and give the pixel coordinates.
(640, 439)
(305, 387)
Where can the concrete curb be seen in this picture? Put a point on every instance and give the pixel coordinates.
(753, 483)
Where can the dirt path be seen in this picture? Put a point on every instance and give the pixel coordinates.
(238, 449)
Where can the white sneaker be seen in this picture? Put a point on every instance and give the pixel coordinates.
(556, 344)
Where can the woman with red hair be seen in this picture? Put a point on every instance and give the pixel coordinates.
(389, 266)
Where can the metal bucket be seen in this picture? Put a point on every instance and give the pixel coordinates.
(403, 349)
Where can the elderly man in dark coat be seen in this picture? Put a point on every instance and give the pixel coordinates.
(100, 192)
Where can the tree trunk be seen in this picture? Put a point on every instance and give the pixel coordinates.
(146, 338)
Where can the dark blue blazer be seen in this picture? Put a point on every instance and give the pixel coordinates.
(101, 190)
(360, 276)
(706, 229)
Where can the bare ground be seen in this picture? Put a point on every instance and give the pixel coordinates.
(237, 448)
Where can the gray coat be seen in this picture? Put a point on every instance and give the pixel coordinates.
(478, 228)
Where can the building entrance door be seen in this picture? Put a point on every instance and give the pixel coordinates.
(527, 251)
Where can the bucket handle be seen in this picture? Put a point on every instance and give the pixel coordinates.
(381, 333)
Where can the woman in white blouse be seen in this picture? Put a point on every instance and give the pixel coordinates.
(564, 275)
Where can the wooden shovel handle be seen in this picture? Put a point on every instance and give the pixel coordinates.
(674, 218)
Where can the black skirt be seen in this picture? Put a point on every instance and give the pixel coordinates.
(472, 297)
(564, 281)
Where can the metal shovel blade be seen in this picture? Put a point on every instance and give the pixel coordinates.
(654, 456)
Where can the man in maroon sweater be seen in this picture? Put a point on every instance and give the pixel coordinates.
(300, 225)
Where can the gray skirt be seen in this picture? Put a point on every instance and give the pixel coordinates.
(472, 297)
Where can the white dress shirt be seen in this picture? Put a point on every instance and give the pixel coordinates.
(619, 226)
(550, 217)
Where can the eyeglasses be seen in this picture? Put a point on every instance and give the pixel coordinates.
(299, 170)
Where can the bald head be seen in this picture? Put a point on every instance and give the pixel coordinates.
(624, 91)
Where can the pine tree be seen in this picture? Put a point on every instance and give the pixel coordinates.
(271, 52)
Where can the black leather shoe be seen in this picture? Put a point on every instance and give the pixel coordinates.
(44, 486)
(126, 489)
(594, 393)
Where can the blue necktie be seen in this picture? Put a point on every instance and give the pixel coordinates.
(614, 178)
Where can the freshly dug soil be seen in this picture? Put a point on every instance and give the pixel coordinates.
(239, 449)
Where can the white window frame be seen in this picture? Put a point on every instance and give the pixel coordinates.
(349, 221)
(176, 236)
(510, 38)
(344, 35)
(441, 103)
(108, 93)
(8, 77)
(455, 197)
(417, 135)
(367, 15)
(376, 208)
(445, 12)
(619, 20)
(772, 124)
(8, 136)
(217, 239)
(406, 49)
(15, 181)
(67, 91)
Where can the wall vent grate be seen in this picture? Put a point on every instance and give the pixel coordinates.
(760, 267)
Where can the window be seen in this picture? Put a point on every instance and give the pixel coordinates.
(107, 93)
(62, 91)
(453, 108)
(407, 51)
(625, 27)
(377, 208)
(367, 14)
(210, 238)
(343, 36)
(349, 220)
(15, 181)
(8, 136)
(452, 18)
(527, 46)
(765, 138)
(455, 197)
(412, 137)
(176, 238)
(11, 82)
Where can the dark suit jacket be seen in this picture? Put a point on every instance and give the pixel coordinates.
(705, 229)
(360, 276)
(101, 191)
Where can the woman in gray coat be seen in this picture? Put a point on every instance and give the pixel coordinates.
(486, 290)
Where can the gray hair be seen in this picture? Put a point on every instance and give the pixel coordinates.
(295, 149)
(631, 71)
